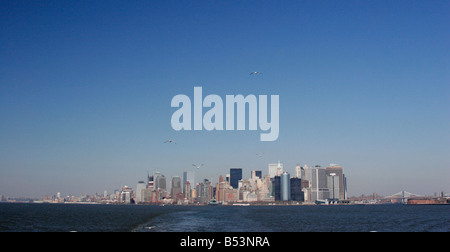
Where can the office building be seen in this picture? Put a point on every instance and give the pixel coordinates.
(275, 169)
(176, 189)
(336, 182)
(276, 188)
(285, 186)
(319, 182)
(188, 176)
(188, 192)
(139, 192)
(256, 174)
(297, 193)
(205, 192)
(235, 176)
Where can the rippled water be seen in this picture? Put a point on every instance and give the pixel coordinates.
(137, 218)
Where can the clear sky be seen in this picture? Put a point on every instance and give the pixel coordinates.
(86, 86)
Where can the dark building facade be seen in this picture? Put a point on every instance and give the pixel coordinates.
(296, 190)
(235, 176)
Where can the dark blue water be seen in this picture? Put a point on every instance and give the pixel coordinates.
(137, 218)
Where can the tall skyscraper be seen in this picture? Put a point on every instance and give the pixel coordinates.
(336, 182)
(275, 189)
(275, 169)
(204, 192)
(320, 190)
(302, 172)
(188, 176)
(298, 171)
(235, 176)
(285, 186)
(297, 193)
(160, 184)
(188, 192)
(139, 196)
(176, 186)
(305, 172)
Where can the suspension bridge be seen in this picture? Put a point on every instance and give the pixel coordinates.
(402, 197)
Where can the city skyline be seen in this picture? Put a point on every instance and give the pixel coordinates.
(86, 90)
(330, 176)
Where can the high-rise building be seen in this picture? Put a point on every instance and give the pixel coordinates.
(235, 176)
(285, 186)
(176, 187)
(297, 193)
(125, 195)
(150, 182)
(256, 174)
(204, 192)
(188, 176)
(188, 192)
(319, 182)
(336, 182)
(305, 172)
(298, 171)
(139, 193)
(160, 184)
(302, 172)
(275, 169)
(275, 189)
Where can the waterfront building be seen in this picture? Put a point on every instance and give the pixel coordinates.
(205, 192)
(235, 176)
(297, 193)
(285, 186)
(125, 195)
(188, 192)
(336, 182)
(176, 187)
(139, 192)
(188, 176)
(160, 184)
(276, 188)
(319, 183)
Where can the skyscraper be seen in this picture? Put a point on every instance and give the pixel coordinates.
(176, 187)
(275, 169)
(297, 193)
(140, 186)
(256, 174)
(188, 176)
(336, 182)
(204, 192)
(320, 190)
(285, 186)
(276, 188)
(188, 192)
(235, 176)
(160, 184)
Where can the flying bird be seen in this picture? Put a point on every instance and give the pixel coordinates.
(197, 166)
(259, 155)
(170, 141)
(255, 73)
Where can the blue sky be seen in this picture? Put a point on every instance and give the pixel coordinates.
(86, 86)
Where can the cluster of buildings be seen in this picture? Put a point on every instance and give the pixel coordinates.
(308, 185)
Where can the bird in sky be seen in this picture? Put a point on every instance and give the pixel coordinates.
(259, 155)
(255, 73)
(197, 166)
(170, 141)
